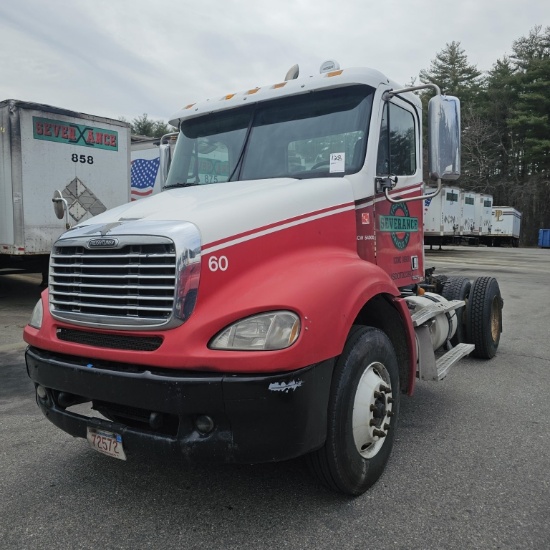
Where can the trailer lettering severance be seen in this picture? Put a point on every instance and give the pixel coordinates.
(74, 134)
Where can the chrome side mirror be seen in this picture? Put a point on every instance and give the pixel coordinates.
(61, 207)
(165, 155)
(444, 137)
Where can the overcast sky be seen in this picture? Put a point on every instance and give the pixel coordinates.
(128, 57)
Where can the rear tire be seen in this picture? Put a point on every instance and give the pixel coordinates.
(484, 317)
(362, 415)
(458, 288)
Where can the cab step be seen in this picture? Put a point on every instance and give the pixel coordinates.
(431, 368)
(453, 356)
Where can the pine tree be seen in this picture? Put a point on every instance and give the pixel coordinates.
(453, 74)
(144, 126)
(530, 117)
(529, 123)
(451, 71)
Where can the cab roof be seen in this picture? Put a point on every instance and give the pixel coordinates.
(332, 79)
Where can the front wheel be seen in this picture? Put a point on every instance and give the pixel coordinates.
(362, 416)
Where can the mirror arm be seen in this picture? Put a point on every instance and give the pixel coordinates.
(391, 93)
(410, 199)
(65, 208)
(165, 159)
(386, 97)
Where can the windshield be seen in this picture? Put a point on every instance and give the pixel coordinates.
(319, 134)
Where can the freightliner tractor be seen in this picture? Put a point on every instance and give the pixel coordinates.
(272, 301)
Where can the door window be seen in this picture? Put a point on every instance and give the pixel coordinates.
(397, 146)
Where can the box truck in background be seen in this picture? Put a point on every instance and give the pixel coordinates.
(505, 227)
(442, 217)
(44, 150)
(484, 214)
(145, 177)
(146, 167)
(467, 225)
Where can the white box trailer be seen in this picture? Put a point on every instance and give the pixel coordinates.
(145, 179)
(44, 149)
(484, 214)
(442, 215)
(146, 174)
(505, 227)
(468, 214)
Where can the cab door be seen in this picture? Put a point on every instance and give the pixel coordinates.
(398, 225)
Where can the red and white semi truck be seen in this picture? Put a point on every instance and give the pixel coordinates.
(273, 300)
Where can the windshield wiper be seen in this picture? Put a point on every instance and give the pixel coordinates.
(173, 185)
(238, 165)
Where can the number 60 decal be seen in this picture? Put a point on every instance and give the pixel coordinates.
(218, 263)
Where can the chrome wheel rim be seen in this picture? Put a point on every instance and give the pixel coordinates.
(495, 319)
(372, 410)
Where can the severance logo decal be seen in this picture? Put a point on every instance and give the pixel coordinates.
(400, 224)
(74, 134)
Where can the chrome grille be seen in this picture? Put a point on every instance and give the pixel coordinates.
(132, 284)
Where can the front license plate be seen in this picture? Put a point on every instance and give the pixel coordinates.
(108, 443)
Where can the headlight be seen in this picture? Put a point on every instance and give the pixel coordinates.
(267, 331)
(36, 317)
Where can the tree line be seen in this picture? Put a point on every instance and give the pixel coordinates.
(146, 127)
(505, 125)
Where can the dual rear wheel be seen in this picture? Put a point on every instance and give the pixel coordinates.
(480, 321)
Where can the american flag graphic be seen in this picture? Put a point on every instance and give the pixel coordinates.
(144, 174)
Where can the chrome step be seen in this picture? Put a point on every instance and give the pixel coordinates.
(430, 367)
(446, 361)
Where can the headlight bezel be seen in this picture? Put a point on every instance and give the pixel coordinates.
(279, 329)
(37, 315)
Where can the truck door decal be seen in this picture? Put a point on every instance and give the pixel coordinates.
(399, 224)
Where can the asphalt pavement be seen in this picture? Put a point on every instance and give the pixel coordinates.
(470, 466)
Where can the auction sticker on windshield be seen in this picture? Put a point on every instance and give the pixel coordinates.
(108, 443)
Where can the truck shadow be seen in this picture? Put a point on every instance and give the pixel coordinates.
(228, 487)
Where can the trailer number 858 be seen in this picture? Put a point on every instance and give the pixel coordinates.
(82, 158)
(216, 263)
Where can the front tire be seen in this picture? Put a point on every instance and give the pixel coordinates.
(362, 416)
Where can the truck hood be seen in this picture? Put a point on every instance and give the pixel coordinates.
(224, 210)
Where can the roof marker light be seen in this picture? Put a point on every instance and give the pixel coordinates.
(329, 65)
(189, 106)
(277, 86)
(334, 73)
(228, 96)
(253, 91)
